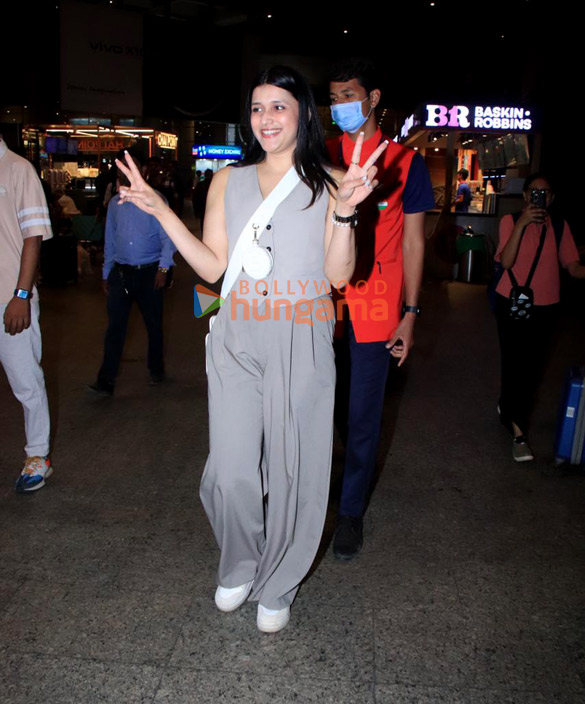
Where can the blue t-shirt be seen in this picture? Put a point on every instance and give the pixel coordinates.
(417, 196)
(464, 191)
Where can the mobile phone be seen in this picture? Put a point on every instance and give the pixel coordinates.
(538, 198)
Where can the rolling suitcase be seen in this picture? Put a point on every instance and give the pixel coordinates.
(570, 440)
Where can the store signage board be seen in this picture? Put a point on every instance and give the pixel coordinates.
(166, 140)
(105, 144)
(101, 62)
(211, 151)
(478, 117)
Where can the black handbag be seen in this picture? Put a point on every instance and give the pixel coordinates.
(521, 298)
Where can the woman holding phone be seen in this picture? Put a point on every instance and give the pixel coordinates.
(530, 249)
(270, 361)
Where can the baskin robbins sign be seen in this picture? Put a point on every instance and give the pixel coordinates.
(477, 117)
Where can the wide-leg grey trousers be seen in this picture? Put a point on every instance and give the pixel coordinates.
(266, 482)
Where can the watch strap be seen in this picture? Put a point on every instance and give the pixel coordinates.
(22, 293)
(411, 309)
(345, 220)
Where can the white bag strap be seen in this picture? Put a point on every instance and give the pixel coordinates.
(258, 222)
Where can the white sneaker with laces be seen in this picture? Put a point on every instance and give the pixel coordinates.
(271, 620)
(230, 599)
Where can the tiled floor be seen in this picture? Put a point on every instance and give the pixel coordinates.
(470, 587)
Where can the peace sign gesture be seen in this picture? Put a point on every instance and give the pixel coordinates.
(139, 193)
(359, 181)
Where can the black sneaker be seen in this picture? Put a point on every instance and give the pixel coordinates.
(348, 538)
(101, 389)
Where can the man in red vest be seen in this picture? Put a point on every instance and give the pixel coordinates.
(381, 301)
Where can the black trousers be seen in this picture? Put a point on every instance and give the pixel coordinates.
(362, 371)
(524, 348)
(126, 285)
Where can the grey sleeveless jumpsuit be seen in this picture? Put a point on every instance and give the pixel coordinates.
(271, 380)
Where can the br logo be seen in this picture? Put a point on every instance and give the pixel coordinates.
(205, 301)
(442, 116)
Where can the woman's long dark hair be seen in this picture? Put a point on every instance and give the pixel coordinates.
(310, 156)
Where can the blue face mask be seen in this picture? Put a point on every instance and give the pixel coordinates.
(349, 116)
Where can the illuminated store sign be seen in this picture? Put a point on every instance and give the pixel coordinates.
(104, 144)
(165, 140)
(210, 151)
(408, 125)
(478, 117)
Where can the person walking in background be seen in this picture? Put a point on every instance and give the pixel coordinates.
(24, 223)
(271, 378)
(390, 244)
(200, 196)
(172, 187)
(531, 246)
(137, 258)
(463, 194)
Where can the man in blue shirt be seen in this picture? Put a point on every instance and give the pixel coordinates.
(463, 196)
(137, 258)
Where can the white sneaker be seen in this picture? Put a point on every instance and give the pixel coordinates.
(230, 599)
(270, 620)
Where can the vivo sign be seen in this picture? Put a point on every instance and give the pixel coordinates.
(478, 117)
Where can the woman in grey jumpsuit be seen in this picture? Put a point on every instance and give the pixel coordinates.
(269, 355)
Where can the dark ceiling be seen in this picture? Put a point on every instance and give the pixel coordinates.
(194, 50)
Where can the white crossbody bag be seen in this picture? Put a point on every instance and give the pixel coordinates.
(248, 254)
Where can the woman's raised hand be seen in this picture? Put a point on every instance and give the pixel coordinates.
(139, 193)
(359, 181)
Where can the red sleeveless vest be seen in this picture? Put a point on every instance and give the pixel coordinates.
(374, 294)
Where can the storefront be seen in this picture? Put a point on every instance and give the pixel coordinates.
(497, 145)
(70, 156)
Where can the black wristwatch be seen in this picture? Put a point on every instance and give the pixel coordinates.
(411, 309)
(345, 220)
(22, 293)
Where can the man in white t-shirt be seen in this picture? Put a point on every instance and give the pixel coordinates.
(24, 223)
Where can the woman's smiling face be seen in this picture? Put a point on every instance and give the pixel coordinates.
(274, 118)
